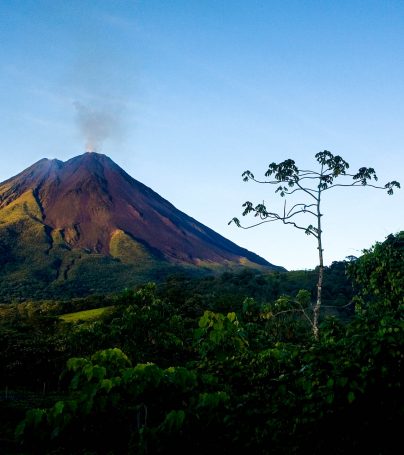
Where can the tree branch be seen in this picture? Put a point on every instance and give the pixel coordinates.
(307, 190)
(355, 184)
(294, 310)
(305, 205)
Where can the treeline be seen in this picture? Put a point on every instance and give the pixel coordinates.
(220, 292)
(220, 364)
(36, 344)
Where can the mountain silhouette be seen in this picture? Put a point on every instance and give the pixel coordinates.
(57, 218)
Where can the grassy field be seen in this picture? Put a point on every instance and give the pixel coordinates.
(86, 315)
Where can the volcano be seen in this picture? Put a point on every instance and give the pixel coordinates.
(86, 225)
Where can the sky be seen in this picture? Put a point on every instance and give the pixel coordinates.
(188, 94)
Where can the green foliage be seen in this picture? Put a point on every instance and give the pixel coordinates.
(108, 394)
(148, 327)
(171, 374)
(220, 335)
(228, 291)
(379, 275)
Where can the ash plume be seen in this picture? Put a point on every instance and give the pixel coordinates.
(97, 125)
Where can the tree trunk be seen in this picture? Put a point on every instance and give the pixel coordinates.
(317, 306)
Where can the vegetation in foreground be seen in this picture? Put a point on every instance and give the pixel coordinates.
(193, 366)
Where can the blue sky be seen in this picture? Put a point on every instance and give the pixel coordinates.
(198, 91)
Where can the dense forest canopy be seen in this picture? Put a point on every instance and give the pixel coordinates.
(220, 364)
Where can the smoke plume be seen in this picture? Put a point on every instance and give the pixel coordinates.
(97, 125)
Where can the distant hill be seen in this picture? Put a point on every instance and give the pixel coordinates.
(84, 226)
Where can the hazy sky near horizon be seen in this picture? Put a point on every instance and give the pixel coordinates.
(187, 94)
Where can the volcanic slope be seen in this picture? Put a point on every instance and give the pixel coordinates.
(85, 225)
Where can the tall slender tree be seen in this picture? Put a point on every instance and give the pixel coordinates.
(311, 184)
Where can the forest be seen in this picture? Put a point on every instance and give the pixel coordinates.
(225, 364)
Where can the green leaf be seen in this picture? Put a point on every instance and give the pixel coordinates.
(173, 421)
(212, 400)
(58, 408)
(351, 397)
(106, 384)
(231, 316)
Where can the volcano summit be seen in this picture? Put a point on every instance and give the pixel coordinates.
(85, 225)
